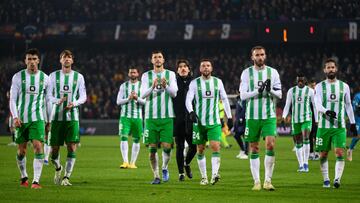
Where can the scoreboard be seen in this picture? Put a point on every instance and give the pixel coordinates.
(232, 31)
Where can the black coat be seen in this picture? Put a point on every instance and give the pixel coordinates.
(179, 101)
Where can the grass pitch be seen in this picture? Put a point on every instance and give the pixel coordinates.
(97, 178)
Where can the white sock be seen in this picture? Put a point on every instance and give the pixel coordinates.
(124, 148)
(201, 159)
(22, 166)
(134, 152)
(56, 161)
(269, 163)
(339, 169)
(47, 150)
(155, 165)
(70, 162)
(215, 164)
(299, 155)
(166, 158)
(37, 165)
(306, 152)
(324, 167)
(255, 169)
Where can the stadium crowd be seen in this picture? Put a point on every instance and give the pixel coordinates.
(105, 70)
(37, 11)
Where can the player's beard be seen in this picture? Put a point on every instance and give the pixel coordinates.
(32, 68)
(259, 63)
(301, 84)
(331, 75)
(206, 74)
(133, 78)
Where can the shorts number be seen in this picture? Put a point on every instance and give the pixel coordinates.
(196, 135)
(246, 131)
(319, 141)
(146, 133)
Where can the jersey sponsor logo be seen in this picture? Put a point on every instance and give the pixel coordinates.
(333, 98)
(208, 94)
(32, 90)
(66, 89)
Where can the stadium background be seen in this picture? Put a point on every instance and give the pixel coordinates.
(109, 36)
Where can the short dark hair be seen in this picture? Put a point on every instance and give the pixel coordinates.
(32, 51)
(134, 67)
(157, 52)
(329, 60)
(182, 61)
(256, 48)
(312, 81)
(300, 75)
(66, 52)
(206, 59)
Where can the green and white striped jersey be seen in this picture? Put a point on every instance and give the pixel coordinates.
(333, 96)
(130, 108)
(27, 96)
(159, 102)
(207, 94)
(259, 106)
(70, 85)
(299, 99)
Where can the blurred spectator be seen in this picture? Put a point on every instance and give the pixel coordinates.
(105, 70)
(39, 11)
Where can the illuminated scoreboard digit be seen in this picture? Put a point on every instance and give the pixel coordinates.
(289, 32)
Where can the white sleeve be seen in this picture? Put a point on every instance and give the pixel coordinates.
(225, 100)
(50, 90)
(82, 92)
(318, 99)
(312, 95)
(120, 97)
(276, 86)
(48, 104)
(144, 91)
(141, 100)
(289, 97)
(172, 88)
(190, 96)
(14, 94)
(244, 87)
(348, 106)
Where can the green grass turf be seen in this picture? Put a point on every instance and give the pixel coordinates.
(97, 178)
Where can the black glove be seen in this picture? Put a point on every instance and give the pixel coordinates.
(262, 87)
(268, 85)
(230, 123)
(353, 130)
(331, 114)
(193, 117)
(282, 124)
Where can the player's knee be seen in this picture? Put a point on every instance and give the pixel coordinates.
(339, 153)
(323, 154)
(124, 138)
(200, 149)
(215, 146)
(152, 151)
(21, 153)
(136, 140)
